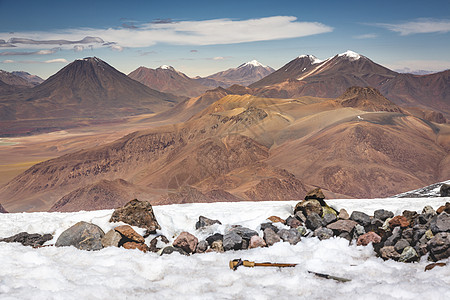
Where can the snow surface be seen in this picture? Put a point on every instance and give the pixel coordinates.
(117, 273)
(350, 55)
(314, 60)
(428, 191)
(253, 63)
(166, 67)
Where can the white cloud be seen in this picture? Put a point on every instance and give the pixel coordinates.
(218, 58)
(414, 65)
(116, 48)
(57, 60)
(366, 36)
(419, 26)
(8, 61)
(207, 32)
(78, 48)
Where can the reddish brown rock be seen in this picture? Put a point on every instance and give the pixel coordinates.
(134, 245)
(276, 219)
(186, 241)
(129, 233)
(367, 238)
(443, 208)
(256, 241)
(341, 226)
(431, 266)
(399, 221)
(137, 213)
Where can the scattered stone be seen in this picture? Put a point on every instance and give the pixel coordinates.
(217, 246)
(202, 246)
(276, 219)
(409, 254)
(205, 222)
(82, 235)
(215, 237)
(408, 234)
(433, 265)
(172, 249)
(27, 239)
(345, 235)
(439, 246)
(328, 210)
(328, 218)
(395, 236)
(316, 194)
(302, 230)
(256, 241)
(137, 213)
(360, 217)
(410, 215)
(385, 226)
(383, 214)
(129, 234)
(157, 243)
(300, 216)
(388, 252)
(271, 237)
(341, 226)
(445, 190)
(186, 241)
(111, 239)
(367, 238)
(293, 222)
(440, 223)
(358, 231)
(313, 221)
(292, 236)
(443, 208)
(343, 214)
(308, 207)
(134, 245)
(400, 245)
(244, 232)
(398, 221)
(428, 210)
(232, 241)
(323, 233)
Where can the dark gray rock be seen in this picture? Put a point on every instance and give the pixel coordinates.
(323, 233)
(345, 235)
(215, 237)
(439, 246)
(243, 232)
(27, 239)
(271, 237)
(440, 223)
(408, 234)
(418, 233)
(360, 217)
(205, 222)
(383, 214)
(293, 222)
(313, 221)
(302, 230)
(82, 235)
(202, 246)
(269, 225)
(395, 236)
(410, 215)
(400, 245)
(445, 190)
(172, 249)
(328, 219)
(292, 236)
(232, 241)
(300, 216)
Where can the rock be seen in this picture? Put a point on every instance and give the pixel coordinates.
(341, 226)
(358, 231)
(134, 245)
(217, 246)
(323, 233)
(302, 230)
(343, 214)
(410, 215)
(395, 236)
(232, 241)
(328, 218)
(375, 225)
(293, 222)
(345, 235)
(439, 246)
(424, 218)
(157, 243)
(328, 210)
(292, 236)
(244, 232)
(316, 194)
(276, 219)
(111, 239)
(421, 249)
(398, 221)
(256, 241)
(367, 238)
(440, 223)
(172, 249)
(186, 241)
(129, 234)
(313, 221)
(82, 235)
(308, 207)
(400, 245)
(269, 225)
(443, 208)
(205, 222)
(445, 190)
(428, 210)
(215, 237)
(385, 226)
(408, 234)
(300, 216)
(383, 214)
(27, 239)
(360, 217)
(388, 252)
(137, 213)
(3, 210)
(433, 265)
(418, 233)
(409, 254)
(271, 237)
(202, 246)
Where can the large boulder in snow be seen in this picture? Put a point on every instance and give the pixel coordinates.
(137, 213)
(129, 234)
(232, 241)
(445, 190)
(27, 239)
(82, 235)
(186, 241)
(205, 222)
(308, 207)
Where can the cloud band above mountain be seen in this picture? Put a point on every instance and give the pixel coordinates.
(418, 26)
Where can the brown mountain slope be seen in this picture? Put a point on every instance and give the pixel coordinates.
(167, 79)
(14, 80)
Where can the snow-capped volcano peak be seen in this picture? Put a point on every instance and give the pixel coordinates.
(312, 58)
(350, 55)
(253, 63)
(166, 67)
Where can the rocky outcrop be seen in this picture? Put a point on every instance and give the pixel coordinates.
(27, 239)
(82, 235)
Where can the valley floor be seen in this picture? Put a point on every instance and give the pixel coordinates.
(117, 273)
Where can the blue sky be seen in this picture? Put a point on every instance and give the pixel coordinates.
(203, 37)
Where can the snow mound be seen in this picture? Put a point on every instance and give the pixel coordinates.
(314, 60)
(350, 55)
(253, 63)
(166, 67)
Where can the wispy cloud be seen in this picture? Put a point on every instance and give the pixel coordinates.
(51, 61)
(206, 32)
(366, 36)
(418, 26)
(21, 53)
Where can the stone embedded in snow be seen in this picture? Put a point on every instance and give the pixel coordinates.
(82, 235)
(134, 245)
(205, 222)
(388, 252)
(271, 237)
(293, 222)
(313, 221)
(215, 237)
(245, 233)
(269, 225)
(232, 241)
(439, 246)
(409, 254)
(292, 236)
(157, 243)
(172, 249)
(309, 206)
(383, 214)
(111, 239)
(186, 241)
(360, 217)
(341, 226)
(129, 233)
(367, 238)
(28, 239)
(256, 241)
(445, 190)
(217, 246)
(323, 233)
(202, 246)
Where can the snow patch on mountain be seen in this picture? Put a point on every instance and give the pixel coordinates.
(314, 60)
(350, 55)
(253, 63)
(166, 67)
(425, 192)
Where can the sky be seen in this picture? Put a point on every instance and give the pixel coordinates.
(200, 38)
